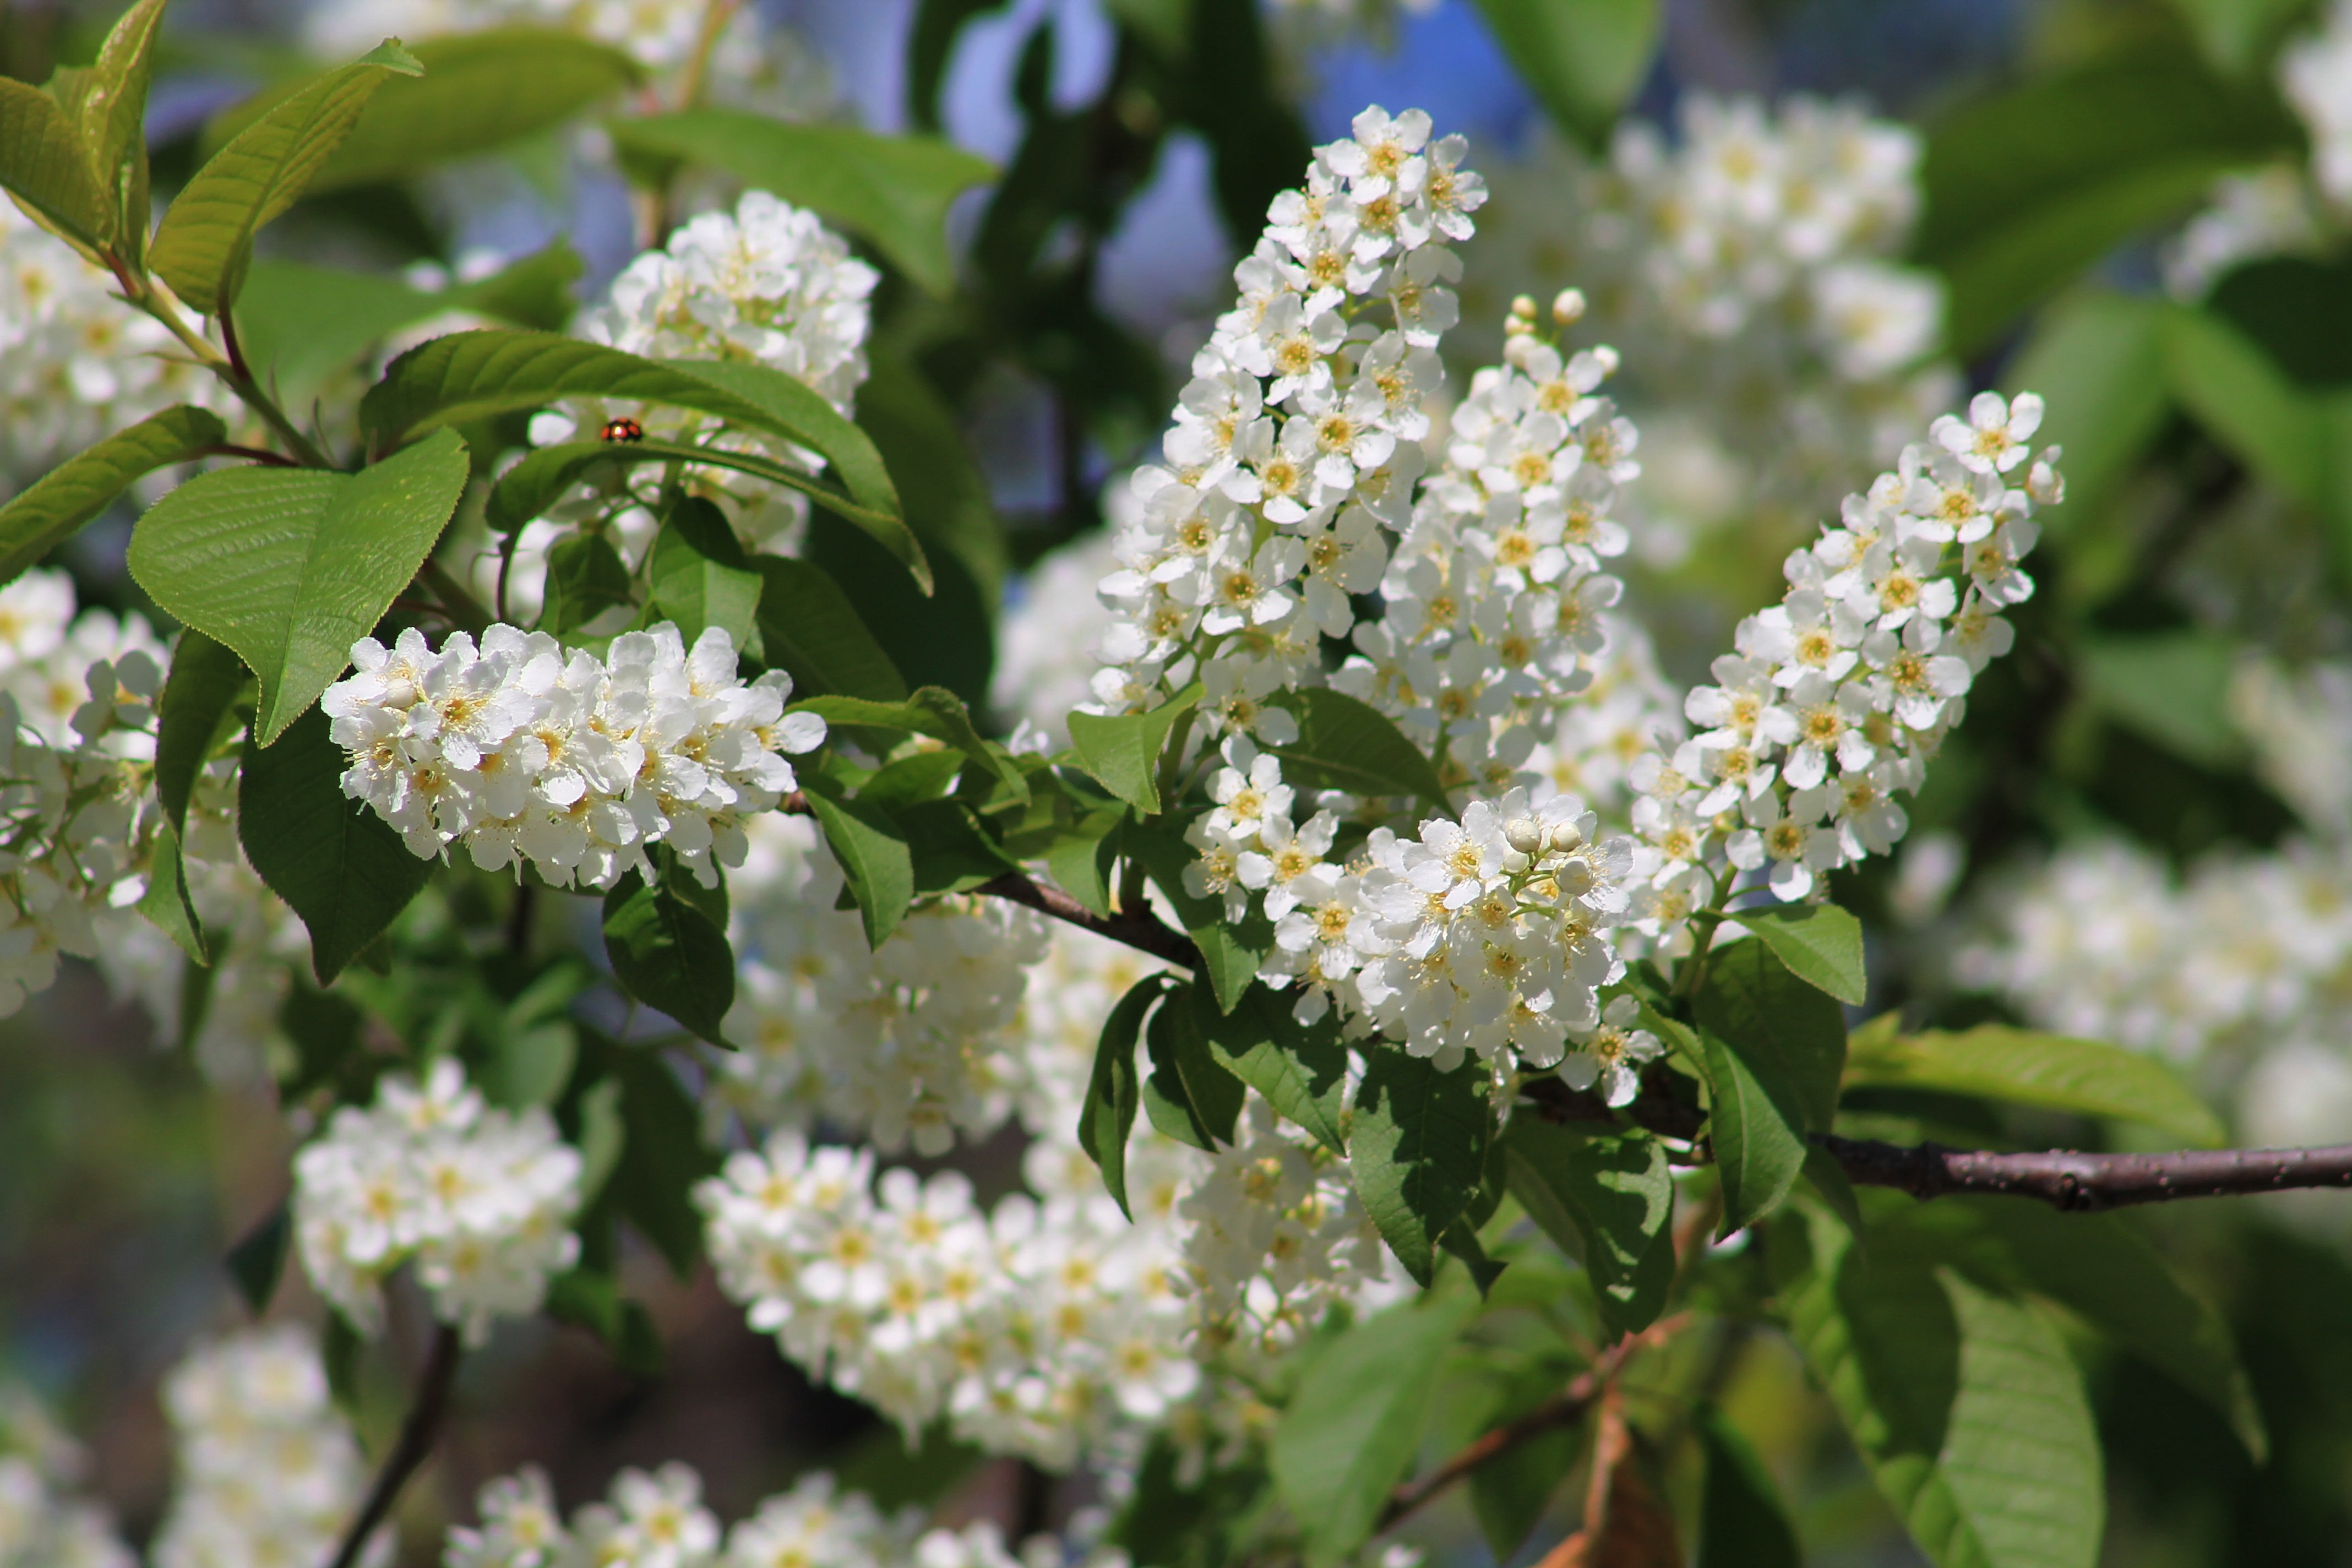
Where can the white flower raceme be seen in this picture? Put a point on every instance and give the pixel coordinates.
(658, 1521)
(1297, 437)
(1837, 696)
(479, 1199)
(1745, 266)
(1053, 1326)
(76, 364)
(910, 1042)
(43, 1523)
(269, 1473)
(576, 764)
(77, 737)
(768, 284)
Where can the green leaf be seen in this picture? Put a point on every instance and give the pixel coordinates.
(1417, 1150)
(872, 849)
(946, 497)
(1112, 1091)
(1355, 1422)
(57, 506)
(475, 375)
(663, 1156)
(1743, 1523)
(546, 476)
(191, 718)
(1582, 58)
(342, 868)
(1820, 944)
(585, 577)
(1756, 1124)
(258, 1260)
(790, 404)
(2172, 687)
(166, 902)
(45, 163)
(206, 240)
(2028, 188)
(1120, 751)
(1301, 1070)
(301, 323)
(113, 125)
(1191, 1097)
(1346, 744)
(1208, 1523)
(1511, 1492)
(2237, 36)
(1964, 1403)
(950, 852)
(1080, 861)
(700, 576)
(480, 91)
(2056, 1072)
(2097, 360)
(2102, 1267)
(2246, 402)
(893, 191)
(809, 628)
(670, 955)
(930, 710)
(1617, 1191)
(1791, 1035)
(290, 566)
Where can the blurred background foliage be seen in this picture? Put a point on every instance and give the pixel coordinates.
(2208, 438)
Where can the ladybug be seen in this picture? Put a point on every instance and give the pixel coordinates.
(624, 430)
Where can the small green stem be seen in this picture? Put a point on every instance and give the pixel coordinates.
(229, 368)
(1704, 924)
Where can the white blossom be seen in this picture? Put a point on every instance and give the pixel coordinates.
(481, 1200)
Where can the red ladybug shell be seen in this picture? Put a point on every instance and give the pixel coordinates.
(624, 430)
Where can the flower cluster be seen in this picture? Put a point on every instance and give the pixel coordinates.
(768, 284)
(77, 732)
(267, 1472)
(481, 1199)
(1298, 436)
(1485, 935)
(1837, 696)
(42, 1523)
(910, 1042)
(574, 763)
(1032, 1328)
(1745, 266)
(76, 364)
(1494, 600)
(658, 1521)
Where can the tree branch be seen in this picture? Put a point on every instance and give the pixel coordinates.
(1139, 928)
(2062, 1178)
(1563, 1409)
(2069, 1180)
(417, 1435)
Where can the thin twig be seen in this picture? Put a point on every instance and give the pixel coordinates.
(1139, 928)
(417, 1435)
(1563, 1409)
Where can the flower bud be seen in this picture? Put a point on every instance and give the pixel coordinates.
(1525, 835)
(1567, 307)
(1566, 839)
(1524, 308)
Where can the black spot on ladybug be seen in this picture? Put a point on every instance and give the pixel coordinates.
(624, 430)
